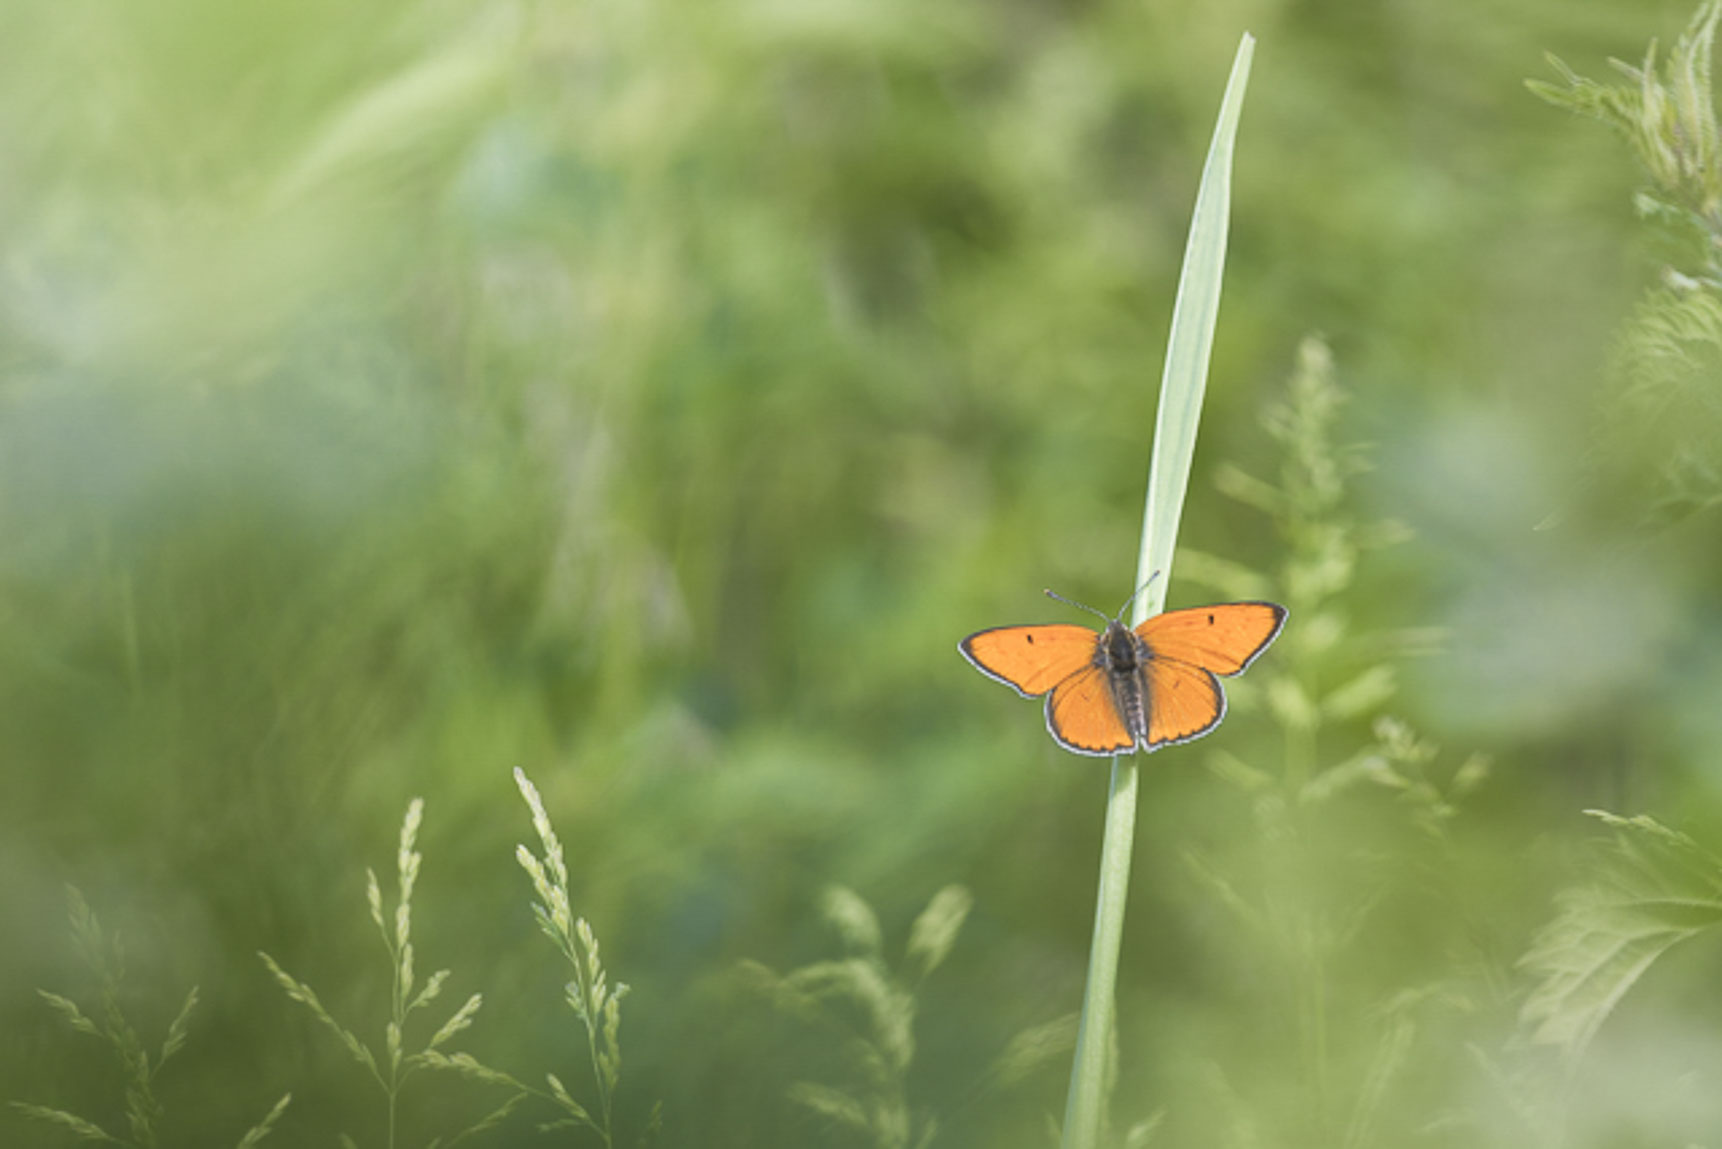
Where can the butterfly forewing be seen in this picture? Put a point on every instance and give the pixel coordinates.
(1223, 638)
(1034, 659)
(1184, 701)
(1082, 716)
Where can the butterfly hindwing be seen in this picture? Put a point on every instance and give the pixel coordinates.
(1223, 639)
(1184, 701)
(1034, 659)
(1082, 715)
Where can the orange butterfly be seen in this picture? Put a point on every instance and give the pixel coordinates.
(1118, 689)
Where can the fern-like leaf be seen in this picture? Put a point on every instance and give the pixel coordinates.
(1653, 888)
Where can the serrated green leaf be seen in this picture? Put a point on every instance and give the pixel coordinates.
(1652, 888)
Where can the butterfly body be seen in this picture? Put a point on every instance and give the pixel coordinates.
(1119, 690)
(1123, 656)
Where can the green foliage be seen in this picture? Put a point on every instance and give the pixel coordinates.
(1300, 906)
(867, 1012)
(392, 1070)
(651, 394)
(104, 956)
(1668, 114)
(1649, 889)
(1664, 405)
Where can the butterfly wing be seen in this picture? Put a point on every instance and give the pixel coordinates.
(1034, 659)
(1223, 639)
(1184, 701)
(1081, 715)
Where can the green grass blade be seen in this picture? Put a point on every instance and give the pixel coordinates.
(1185, 379)
(1181, 389)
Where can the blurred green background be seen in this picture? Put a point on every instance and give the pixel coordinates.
(650, 395)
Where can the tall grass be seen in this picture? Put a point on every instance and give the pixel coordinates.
(594, 1001)
(103, 954)
(1303, 890)
(866, 1010)
(391, 1070)
(1181, 389)
(1657, 431)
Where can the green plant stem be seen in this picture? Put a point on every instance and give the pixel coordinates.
(394, 1082)
(1084, 1108)
(603, 1090)
(1313, 969)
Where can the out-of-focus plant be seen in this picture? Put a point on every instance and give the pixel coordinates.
(104, 955)
(868, 1011)
(1643, 891)
(392, 1070)
(1658, 441)
(1301, 904)
(1650, 888)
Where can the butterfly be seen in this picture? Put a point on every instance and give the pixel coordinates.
(1113, 691)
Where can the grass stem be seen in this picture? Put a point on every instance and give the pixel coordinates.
(1181, 390)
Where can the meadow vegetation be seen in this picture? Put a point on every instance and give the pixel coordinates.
(640, 401)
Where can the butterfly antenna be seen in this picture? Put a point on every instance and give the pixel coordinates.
(1077, 605)
(1136, 592)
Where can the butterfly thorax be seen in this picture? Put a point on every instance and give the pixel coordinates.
(1119, 650)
